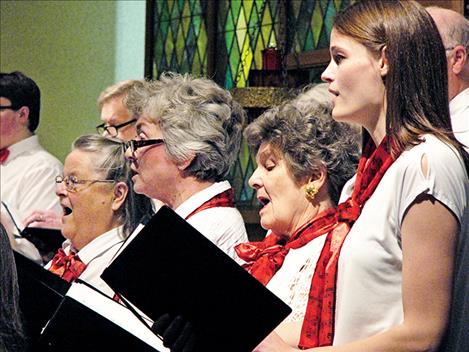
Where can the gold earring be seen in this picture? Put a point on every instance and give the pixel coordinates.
(310, 191)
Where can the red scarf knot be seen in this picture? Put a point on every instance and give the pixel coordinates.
(4, 152)
(68, 266)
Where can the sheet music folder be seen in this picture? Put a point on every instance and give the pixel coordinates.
(169, 267)
(87, 320)
(40, 294)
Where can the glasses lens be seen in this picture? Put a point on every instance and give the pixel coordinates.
(111, 131)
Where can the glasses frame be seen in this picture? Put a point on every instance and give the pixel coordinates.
(11, 107)
(72, 187)
(103, 128)
(134, 144)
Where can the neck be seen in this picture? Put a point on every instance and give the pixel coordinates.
(377, 129)
(7, 141)
(457, 88)
(185, 188)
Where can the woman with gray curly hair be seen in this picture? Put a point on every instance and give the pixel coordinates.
(188, 137)
(304, 158)
(100, 209)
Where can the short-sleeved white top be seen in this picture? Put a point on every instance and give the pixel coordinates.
(369, 295)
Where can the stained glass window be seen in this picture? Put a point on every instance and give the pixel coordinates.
(242, 29)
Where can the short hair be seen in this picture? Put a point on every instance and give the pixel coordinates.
(454, 32)
(22, 91)
(109, 161)
(121, 88)
(196, 117)
(316, 93)
(417, 82)
(308, 140)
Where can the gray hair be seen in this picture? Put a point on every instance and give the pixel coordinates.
(196, 117)
(110, 162)
(312, 94)
(121, 88)
(309, 140)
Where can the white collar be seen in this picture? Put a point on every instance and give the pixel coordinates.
(459, 102)
(199, 198)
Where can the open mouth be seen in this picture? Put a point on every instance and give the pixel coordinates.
(67, 210)
(263, 201)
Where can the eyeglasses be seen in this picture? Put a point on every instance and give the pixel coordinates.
(71, 182)
(11, 107)
(135, 144)
(113, 130)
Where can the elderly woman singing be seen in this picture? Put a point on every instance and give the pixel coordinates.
(99, 206)
(188, 137)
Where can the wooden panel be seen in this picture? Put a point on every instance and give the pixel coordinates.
(456, 5)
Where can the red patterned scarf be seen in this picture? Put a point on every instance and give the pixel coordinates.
(265, 258)
(68, 267)
(224, 199)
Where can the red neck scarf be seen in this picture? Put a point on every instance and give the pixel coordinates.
(68, 267)
(224, 199)
(4, 152)
(265, 258)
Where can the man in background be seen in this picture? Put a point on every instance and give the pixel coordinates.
(454, 31)
(117, 120)
(27, 170)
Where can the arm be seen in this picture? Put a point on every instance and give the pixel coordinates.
(429, 232)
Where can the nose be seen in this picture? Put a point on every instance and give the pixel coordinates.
(60, 189)
(129, 155)
(328, 75)
(255, 181)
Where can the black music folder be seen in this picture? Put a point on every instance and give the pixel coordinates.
(47, 241)
(87, 320)
(169, 267)
(40, 294)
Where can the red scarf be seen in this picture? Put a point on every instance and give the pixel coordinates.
(265, 258)
(224, 199)
(4, 152)
(68, 267)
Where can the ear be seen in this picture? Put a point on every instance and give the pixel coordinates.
(458, 59)
(383, 63)
(318, 180)
(185, 164)
(120, 194)
(24, 115)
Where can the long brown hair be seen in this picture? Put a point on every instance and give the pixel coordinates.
(417, 82)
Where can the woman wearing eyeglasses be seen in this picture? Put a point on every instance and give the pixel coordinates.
(100, 209)
(188, 137)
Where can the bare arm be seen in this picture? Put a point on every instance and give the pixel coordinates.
(429, 232)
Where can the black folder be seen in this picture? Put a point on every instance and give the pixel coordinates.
(76, 328)
(169, 267)
(47, 241)
(40, 294)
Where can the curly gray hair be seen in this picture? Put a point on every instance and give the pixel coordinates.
(308, 139)
(109, 161)
(196, 117)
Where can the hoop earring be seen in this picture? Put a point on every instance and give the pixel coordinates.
(310, 192)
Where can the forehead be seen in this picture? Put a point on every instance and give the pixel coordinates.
(114, 112)
(147, 125)
(79, 162)
(5, 101)
(267, 150)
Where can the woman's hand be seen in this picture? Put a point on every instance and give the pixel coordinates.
(44, 219)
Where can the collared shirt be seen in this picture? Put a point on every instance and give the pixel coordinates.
(223, 226)
(28, 179)
(97, 255)
(459, 111)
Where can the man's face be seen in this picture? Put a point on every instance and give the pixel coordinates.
(9, 123)
(114, 113)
